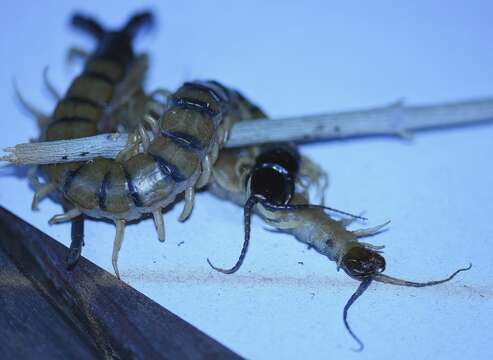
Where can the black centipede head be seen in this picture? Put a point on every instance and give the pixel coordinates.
(271, 183)
(273, 176)
(361, 263)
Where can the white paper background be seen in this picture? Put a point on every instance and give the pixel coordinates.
(301, 58)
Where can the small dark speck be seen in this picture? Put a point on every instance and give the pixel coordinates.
(84, 153)
(312, 294)
(337, 129)
(301, 263)
(180, 243)
(64, 157)
(320, 128)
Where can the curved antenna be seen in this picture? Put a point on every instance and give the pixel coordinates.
(310, 206)
(247, 213)
(89, 25)
(394, 281)
(359, 291)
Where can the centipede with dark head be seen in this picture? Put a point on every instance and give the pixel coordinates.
(267, 180)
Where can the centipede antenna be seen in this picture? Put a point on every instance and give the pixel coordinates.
(138, 21)
(359, 291)
(394, 281)
(88, 25)
(311, 206)
(247, 211)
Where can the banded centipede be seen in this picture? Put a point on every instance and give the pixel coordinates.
(268, 181)
(188, 132)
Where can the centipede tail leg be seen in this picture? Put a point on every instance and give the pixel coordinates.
(138, 21)
(77, 236)
(89, 25)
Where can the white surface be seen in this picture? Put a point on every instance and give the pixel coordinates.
(296, 59)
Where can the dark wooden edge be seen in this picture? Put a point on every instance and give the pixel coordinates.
(120, 321)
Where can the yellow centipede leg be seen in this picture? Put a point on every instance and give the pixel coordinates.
(42, 119)
(117, 244)
(69, 215)
(51, 88)
(146, 141)
(152, 122)
(370, 231)
(206, 172)
(214, 152)
(187, 208)
(40, 193)
(159, 222)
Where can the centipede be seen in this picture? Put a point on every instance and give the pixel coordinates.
(184, 153)
(267, 179)
(148, 175)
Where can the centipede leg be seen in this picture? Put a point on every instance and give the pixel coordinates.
(143, 136)
(41, 118)
(159, 222)
(316, 176)
(69, 215)
(189, 199)
(42, 192)
(131, 148)
(77, 234)
(150, 120)
(51, 88)
(370, 231)
(117, 244)
(206, 172)
(214, 153)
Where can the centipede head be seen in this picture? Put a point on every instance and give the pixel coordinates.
(366, 265)
(273, 176)
(361, 263)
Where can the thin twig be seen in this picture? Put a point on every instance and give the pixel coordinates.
(396, 119)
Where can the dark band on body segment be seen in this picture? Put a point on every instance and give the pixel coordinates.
(168, 169)
(71, 119)
(100, 76)
(85, 101)
(204, 87)
(71, 174)
(189, 142)
(194, 104)
(133, 194)
(103, 190)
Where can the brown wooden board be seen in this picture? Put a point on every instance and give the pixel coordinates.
(47, 311)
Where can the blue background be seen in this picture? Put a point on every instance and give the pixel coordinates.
(301, 58)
